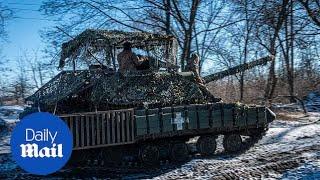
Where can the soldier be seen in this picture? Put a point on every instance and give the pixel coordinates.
(193, 66)
(128, 60)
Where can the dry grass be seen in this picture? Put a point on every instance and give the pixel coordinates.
(290, 116)
(254, 88)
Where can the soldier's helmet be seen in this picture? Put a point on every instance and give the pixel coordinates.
(127, 45)
(194, 57)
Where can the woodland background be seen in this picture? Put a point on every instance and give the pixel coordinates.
(224, 33)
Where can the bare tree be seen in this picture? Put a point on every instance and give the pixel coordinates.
(244, 37)
(287, 49)
(37, 68)
(270, 23)
(312, 8)
(5, 15)
(206, 30)
(225, 32)
(167, 16)
(19, 86)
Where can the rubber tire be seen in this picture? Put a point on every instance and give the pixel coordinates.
(149, 155)
(207, 145)
(179, 152)
(232, 143)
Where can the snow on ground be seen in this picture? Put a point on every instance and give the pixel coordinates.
(296, 142)
(308, 170)
(8, 117)
(10, 114)
(312, 102)
(289, 150)
(283, 141)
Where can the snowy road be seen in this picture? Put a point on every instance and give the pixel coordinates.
(290, 150)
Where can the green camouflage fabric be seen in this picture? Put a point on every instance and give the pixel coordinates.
(132, 88)
(157, 88)
(83, 47)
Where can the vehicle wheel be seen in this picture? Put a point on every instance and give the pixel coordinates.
(111, 155)
(179, 152)
(232, 143)
(164, 150)
(81, 157)
(75, 158)
(149, 155)
(258, 131)
(105, 156)
(257, 134)
(206, 145)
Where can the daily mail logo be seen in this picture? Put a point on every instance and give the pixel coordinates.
(32, 150)
(41, 143)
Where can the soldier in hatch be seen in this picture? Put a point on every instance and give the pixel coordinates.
(128, 60)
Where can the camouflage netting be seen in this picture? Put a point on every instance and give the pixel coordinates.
(71, 82)
(85, 45)
(111, 89)
(102, 88)
(61, 86)
(151, 88)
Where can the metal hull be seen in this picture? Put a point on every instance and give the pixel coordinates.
(131, 126)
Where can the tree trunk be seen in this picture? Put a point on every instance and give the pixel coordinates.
(168, 21)
(291, 82)
(245, 52)
(186, 51)
(272, 79)
(288, 53)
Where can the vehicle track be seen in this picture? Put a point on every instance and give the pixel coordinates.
(268, 158)
(258, 166)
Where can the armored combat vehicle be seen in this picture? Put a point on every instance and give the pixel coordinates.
(146, 115)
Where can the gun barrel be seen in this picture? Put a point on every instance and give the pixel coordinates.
(237, 69)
